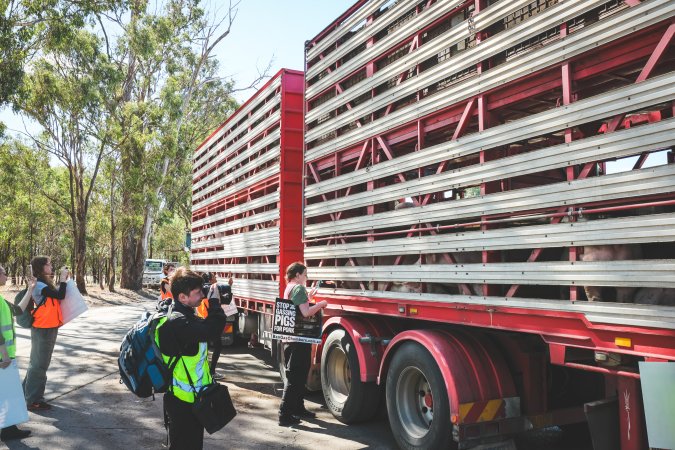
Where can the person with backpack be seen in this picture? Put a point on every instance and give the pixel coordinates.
(298, 360)
(46, 322)
(8, 352)
(184, 335)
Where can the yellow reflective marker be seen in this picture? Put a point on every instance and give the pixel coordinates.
(623, 342)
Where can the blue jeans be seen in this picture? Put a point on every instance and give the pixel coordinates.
(42, 345)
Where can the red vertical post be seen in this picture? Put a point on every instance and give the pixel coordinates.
(291, 171)
(567, 99)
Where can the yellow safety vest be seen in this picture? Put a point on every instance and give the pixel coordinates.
(7, 328)
(197, 366)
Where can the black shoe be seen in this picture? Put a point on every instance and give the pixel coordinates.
(286, 421)
(13, 432)
(305, 414)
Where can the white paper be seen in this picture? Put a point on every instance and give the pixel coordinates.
(230, 309)
(73, 304)
(658, 395)
(12, 403)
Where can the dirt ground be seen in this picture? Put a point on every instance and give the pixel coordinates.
(96, 296)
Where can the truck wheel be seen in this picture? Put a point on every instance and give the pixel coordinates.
(417, 400)
(348, 398)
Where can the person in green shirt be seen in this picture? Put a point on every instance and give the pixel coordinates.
(298, 354)
(8, 351)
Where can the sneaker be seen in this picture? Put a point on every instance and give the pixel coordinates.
(287, 421)
(217, 376)
(13, 432)
(39, 406)
(305, 413)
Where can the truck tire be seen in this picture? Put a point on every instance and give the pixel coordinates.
(348, 398)
(417, 400)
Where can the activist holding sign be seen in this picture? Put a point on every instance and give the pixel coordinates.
(298, 354)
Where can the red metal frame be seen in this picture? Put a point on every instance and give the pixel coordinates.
(288, 182)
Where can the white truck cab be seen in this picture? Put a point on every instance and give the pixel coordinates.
(152, 272)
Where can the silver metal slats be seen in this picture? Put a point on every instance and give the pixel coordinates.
(629, 230)
(241, 112)
(634, 273)
(370, 31)
(621, 143)
(647, 14)
(609, 187)
(243, 222)
(274, 136)
(256, 289)
(269, 155)
(238, 209)
(266, 269)
(240, 144)
(613, 145)
(250, 181)
(595, 312)
(453, 36)
(266, 239)
(345, 27)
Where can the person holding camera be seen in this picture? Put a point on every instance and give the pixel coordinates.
(298, 360)
(185, 335)
(46, 322)
(225, 290)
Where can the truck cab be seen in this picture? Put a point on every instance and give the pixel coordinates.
(152, 272)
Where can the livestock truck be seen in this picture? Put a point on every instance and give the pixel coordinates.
(487, 206)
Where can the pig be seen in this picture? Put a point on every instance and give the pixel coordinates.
(611, 253)
(655, 296)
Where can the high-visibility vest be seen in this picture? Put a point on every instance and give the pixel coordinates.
(203, 309)
(164, 295)
(48, 315)
(197, 366)
(7, 328)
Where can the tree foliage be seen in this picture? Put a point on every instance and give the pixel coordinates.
(123, 92)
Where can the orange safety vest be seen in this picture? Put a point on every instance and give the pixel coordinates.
(203, 309)
(48, 315)
(162, 294)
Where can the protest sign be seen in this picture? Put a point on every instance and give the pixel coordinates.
(290, 326)
(12, 403)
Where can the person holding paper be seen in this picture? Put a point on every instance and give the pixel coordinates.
(298, 360)
(202, 311)
(47, 319)
(8, 353)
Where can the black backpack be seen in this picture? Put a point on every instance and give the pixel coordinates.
(142, 368)
(24, 318)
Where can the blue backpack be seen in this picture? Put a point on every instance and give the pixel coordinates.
(142, 368)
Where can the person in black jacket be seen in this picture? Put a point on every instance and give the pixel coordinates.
(185, 335)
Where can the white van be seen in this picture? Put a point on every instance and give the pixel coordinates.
(152, 272)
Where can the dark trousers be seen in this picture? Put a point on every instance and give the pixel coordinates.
(42, 341)
(298, 362)
(216, 347)
(185, 430)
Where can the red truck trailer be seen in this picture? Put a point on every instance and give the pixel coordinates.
(488, 207)
(241, 173)
(468, 189)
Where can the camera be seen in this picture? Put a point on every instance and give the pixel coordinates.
(223, 289)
